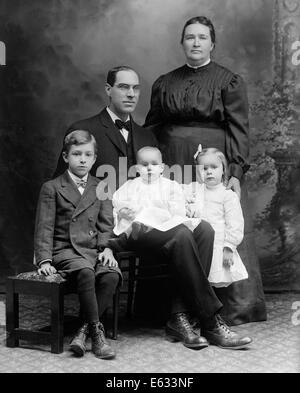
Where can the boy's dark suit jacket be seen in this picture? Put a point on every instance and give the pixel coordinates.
(109, 140)
(72, 228)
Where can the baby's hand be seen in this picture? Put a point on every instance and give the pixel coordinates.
(227, 257)
(127, 214)
(47, 269)
(193, 211)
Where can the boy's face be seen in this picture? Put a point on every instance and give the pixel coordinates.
(150, 165)
(80, 158)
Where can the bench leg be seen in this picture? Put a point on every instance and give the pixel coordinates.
(116, 314)
(12, 314)
(57, 319)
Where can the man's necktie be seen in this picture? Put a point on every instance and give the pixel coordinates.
(81, 183)
(121, 124)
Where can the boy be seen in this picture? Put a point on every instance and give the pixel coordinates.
(72, 231)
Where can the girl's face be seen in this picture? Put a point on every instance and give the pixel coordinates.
(211, 169)
(197, 44)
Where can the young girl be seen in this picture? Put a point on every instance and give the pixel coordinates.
(209, 199)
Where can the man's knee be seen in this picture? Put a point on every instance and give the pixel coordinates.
(205, 231)
(182, 232)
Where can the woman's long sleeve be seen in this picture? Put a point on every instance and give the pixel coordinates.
(237, 137)
(155, 114)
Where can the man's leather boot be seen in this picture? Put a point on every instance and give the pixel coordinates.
(179, 329)
(218, 333)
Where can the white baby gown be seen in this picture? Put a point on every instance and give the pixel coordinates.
(159, 205)
(222, 209)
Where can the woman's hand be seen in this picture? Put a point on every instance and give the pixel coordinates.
(235, 185)
(47, 269)
(107, 258)
(227, 257)
(127, 214)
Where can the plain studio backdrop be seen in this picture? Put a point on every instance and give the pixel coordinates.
(57, 56)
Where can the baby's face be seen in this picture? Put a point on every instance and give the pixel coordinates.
(211, 169)
(150, 165)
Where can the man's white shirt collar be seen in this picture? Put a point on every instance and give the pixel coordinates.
(114, 117)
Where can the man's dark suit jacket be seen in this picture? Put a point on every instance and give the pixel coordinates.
(108, 137)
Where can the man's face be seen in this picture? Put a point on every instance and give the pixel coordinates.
(80, 158)
(124, 94)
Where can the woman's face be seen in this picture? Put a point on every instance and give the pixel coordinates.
(197, 44)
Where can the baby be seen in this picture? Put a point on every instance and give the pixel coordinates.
(150, 200)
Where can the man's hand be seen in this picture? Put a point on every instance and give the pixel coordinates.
(47, 269)
(127, 214)
(235, 185)
(227, 257)
(107, 258)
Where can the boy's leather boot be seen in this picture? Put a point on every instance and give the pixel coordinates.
(78, 343)
(100, 347)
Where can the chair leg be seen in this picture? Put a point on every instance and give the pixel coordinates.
(57, 319)
(12, 314)
(131, 285)
(116, 314)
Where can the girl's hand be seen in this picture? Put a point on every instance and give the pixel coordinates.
(47, 269)
(127, 214)
(107, 258)
(227, 257)
(235, 185)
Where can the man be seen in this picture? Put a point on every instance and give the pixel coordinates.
(117, 135)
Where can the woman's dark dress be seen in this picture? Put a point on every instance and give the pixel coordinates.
(209, 105)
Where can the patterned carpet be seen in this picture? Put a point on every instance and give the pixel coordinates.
(276, 346)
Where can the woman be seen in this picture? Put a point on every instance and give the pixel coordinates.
(203, 102)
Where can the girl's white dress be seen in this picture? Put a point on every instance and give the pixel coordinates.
(222, 209)
(159, 205)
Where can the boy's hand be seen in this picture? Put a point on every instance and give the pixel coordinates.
(107, 258)
(192, 211)
(227, 257)
(47, 269)
(127, 213)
